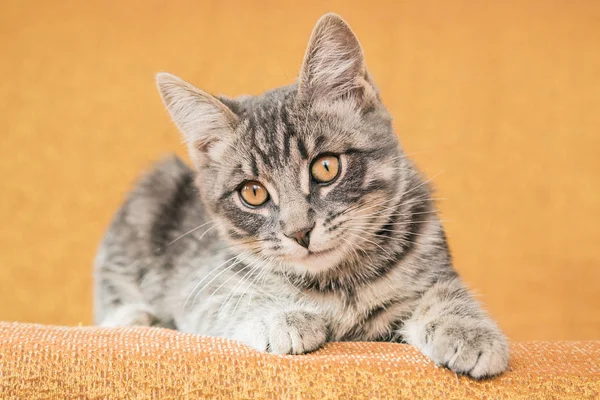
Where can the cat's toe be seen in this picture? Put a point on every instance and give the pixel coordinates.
(296, 332)
(471, 347)
(292, 332)
(490, 362)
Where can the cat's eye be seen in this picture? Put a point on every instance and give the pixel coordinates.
(325, 168)
(253, 194)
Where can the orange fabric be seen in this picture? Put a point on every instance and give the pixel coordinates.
(501, 95)
(66, 363)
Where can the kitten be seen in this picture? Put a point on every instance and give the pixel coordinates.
(302, 222)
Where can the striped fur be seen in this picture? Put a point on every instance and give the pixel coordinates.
(185, 252)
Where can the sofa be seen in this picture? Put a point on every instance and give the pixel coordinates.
(56, 362)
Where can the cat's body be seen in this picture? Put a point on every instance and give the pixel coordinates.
(357, 255)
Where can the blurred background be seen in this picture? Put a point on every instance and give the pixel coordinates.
(503, 97)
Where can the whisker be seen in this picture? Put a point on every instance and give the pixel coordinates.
(400, 239)
(423, 183)
(289, 282)
(206, 277)
(206, 231)
(227, 280)
(362, 238)
(188, 232)
(363, 207)
(417, 200)
(391, 230)
(251, 283)
(351, 246)
(373, 224)
(370, 216)
(229, 296)
(262, 272)
(237, 261)
(396, 207)
(412, 154)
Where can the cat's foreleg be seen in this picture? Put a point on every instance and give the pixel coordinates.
(119, 302)
(274, 328)
(449, 326)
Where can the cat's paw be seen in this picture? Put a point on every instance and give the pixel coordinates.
(128, 315)
(473, 347)
(291, 332)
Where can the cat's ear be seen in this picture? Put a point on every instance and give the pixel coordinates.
(334, 65)
(202, 119)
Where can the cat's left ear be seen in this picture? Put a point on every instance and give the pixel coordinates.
(334, 65)
(203, 119)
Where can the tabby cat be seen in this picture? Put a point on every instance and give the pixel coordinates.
(302, 221)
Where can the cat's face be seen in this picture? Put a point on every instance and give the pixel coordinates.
(299, 176)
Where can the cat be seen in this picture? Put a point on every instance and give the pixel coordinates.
(302, 221)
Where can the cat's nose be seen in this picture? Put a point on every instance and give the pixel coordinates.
(302, 237)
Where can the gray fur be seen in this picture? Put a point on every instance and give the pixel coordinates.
(185, 252)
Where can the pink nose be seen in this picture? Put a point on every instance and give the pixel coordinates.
(302, 237)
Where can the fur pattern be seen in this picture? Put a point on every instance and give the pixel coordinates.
(185, 252)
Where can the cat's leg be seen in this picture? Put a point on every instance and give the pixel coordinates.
(119, 302)
(292, 330)
(449, 326)
(266, 323)
(128, 315)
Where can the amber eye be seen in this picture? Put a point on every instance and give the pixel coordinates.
(253, 193)
(325, 168)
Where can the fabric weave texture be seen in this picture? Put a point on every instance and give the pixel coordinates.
(50, 362)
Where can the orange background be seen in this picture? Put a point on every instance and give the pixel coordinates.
(504, 97)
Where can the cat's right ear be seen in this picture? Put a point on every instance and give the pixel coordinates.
(334, 65)
(203, 120)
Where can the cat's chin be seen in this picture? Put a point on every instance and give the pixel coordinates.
(317, 261)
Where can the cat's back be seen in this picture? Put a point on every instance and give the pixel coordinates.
(162, 204)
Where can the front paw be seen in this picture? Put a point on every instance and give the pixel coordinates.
(469, 346)
(290, 332)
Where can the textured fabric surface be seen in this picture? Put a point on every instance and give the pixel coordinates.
(57, 362)
(501, 95)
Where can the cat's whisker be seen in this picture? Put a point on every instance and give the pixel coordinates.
(188, 232)
(401, 240)
(365, 220)
(370, 205)
(393, 231)
(226, 301)
(416, 200)
(287, 279)
(206, 277)
(396, 198)
(263, 270)
(370, 241)
(406, 155)
(239, 283)
(375, 225)
(227, 280)
(365, 252)
(246, 243)
(425, 182)
(208, 230)
(229, 268)
(261, 275)
(257, 268)
(372, 221)
(363, 207)
(352, 247)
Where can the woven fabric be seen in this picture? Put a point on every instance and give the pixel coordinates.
(44, 362)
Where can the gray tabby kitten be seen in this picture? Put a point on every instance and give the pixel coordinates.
(302, 222)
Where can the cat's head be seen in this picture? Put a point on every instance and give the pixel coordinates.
(301, 175)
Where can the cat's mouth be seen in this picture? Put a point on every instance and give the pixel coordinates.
(319, 260)
(318, 253)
